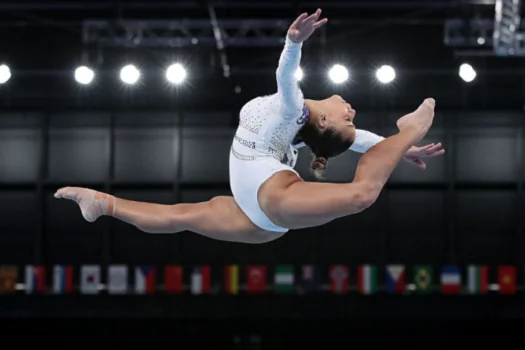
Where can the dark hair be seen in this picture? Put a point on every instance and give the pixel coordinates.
(324, 144)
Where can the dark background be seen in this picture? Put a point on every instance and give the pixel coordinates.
(152, 142)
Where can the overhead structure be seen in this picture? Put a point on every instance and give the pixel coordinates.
(501, 33)
(179, 33)
(507, 38)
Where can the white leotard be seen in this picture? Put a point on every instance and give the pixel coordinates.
(262, 145)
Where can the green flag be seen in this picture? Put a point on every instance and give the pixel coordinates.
(423, 278)
(284, 279)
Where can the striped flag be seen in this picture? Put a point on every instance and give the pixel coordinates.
(367, 279)
(478, 279)
(395, 279)
(284, 279)
(35, 279)
(231, 279)
(145, 279)
(200, 280)
(450, 280)
(339, 279)
(62, 279)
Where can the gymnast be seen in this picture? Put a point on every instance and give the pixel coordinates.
(269, 197)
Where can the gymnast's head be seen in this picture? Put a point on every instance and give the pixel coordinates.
(329, 130)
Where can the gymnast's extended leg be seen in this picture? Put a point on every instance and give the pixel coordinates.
(219, 218)
(293, 203)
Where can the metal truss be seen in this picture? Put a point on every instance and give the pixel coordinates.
(481, 33)
(506, 26)
(239, 4)
(179, 33)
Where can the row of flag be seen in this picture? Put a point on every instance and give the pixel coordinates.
(287, 279)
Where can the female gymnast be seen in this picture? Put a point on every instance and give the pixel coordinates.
(269, 196)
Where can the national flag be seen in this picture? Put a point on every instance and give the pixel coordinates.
(309, 279)
(173, 279)
(423, 278)
(62, 279)
(339, 279)
(507, 279)
(35, 279)
(450, 280)
(200, 280)
(117, 279)
(395, 279)
(284, 279)
(89, 279)
(367, 279)
(145, 279)
(231, 279)
(478, 279)
(256, 279)
(8, 279)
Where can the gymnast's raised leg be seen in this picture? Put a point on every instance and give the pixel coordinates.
(293, 203)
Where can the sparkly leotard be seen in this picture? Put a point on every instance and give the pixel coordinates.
(263, 142)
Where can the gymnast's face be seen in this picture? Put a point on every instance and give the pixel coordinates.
(339, 115)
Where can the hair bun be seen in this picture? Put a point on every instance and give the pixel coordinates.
(319, 163)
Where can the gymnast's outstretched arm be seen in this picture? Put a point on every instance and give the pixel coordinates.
(364, 140)
(291, 100)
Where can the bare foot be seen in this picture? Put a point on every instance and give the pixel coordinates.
(420, 120)
(92, 204)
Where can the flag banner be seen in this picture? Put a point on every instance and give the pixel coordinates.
(309, 281)
(145, 279)
(395, 279)
(284, 279)
(507, 279)
(117, 279)
(423, 278)
(201, 280)
(450, 280)
(90, 279)
(367, 279)
(231, 279)
(256, 279)
(339, 277)
(478, 279)
(62, 279)
(173, 279)
(8, 279)
(35, 279)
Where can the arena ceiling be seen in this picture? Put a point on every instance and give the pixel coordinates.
(43, 42)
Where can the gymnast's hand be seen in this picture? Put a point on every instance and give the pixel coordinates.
(303, 27)
(414, 154)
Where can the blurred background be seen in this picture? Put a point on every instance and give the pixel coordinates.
(141, 99)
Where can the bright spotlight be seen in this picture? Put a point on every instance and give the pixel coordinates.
(84, 75)
(5, 74)
(385, 74)
(338, 74)
(176, 73)
(129, 74)
(467, 73)
(299, 74)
